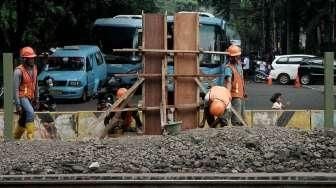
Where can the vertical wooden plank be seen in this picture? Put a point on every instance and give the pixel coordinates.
(153, 38)
(186, 30)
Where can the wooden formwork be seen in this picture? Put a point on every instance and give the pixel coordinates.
(186, 92)
(154, 37)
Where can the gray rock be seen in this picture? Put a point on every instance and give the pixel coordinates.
(269, 155)
(330, 133)
(257, 163)
(224, 150)
(317, 154)
(77, 168)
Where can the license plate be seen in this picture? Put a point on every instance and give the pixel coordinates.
(56, 92)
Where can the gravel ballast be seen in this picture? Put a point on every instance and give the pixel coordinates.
(224, 150)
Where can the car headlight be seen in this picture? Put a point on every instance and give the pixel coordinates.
(74, 83)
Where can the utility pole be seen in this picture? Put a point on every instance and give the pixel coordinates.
(332, 25)
(8, 95)
(328, 90)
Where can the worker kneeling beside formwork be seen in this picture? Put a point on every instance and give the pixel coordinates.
(216, 102)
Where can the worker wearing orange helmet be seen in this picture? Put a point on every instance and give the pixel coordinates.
(26, 93)
(216, 102)
(125, 117)
(234, 82)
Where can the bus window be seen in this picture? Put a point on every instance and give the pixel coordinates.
(210, 37)
(109, 38)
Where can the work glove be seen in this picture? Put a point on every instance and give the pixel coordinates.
(18, 109)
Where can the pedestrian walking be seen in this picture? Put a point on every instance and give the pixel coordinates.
(246, 67)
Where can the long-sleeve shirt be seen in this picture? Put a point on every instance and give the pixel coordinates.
(17, 82)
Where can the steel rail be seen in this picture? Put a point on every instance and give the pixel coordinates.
(267, 180)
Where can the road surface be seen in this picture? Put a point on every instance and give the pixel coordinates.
(258, 98)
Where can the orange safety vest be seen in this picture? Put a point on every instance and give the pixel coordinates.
(28, 83)
(220, 93)
(237, 89)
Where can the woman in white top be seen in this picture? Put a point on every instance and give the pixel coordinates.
(276, 99)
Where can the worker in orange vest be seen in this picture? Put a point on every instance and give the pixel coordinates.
(234, 82)
(26, 93)
(125, 117)
(216, 101)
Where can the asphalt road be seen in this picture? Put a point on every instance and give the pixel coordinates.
(300, 98)
(258, 98)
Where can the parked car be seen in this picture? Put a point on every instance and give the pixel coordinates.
(284, 67)
(312, 70)
(77, 72)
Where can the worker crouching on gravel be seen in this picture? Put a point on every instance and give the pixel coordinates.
(26, 93)
(216, 101)
(125, 119)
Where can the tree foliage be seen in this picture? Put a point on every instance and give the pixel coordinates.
(277, 25)
(43, 24)
(264, 25)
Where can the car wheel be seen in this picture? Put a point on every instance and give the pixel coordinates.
(283, 79)
(305, 79)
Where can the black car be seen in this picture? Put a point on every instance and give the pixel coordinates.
(312, 70)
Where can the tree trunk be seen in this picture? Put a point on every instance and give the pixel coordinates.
(22, 17)
(288, 27)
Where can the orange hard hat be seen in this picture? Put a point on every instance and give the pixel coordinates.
(234, 50)
(217, 108)
(121, 92)
(27, 52)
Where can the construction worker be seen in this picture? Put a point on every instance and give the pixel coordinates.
(234, 82)
(26, 93)
(216, 101)
(125, 118)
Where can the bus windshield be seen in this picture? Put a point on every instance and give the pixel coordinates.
(210, 38)
(65, 64)
(207, 37)
(109, 38)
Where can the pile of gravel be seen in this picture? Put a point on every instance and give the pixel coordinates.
(225, 150)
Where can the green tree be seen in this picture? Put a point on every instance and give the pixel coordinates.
(7, 24)
(269, 25)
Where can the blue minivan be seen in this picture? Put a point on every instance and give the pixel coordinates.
(77, 72)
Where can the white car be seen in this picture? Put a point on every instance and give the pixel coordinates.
(285, 67)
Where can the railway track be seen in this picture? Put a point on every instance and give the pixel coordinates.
(260, 180)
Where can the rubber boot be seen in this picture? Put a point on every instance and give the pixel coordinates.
(30, 130)
(18, 132)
